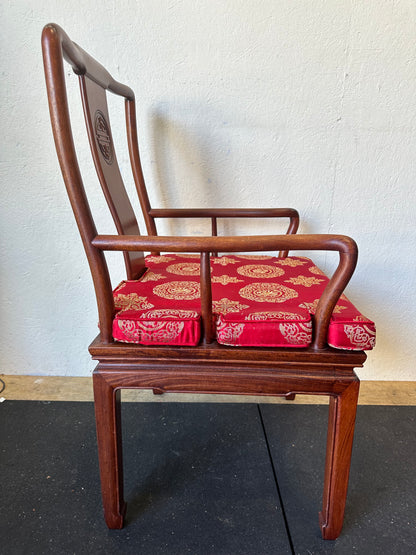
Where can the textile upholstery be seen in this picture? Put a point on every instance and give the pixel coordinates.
(258, 300)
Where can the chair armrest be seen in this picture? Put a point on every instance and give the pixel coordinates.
(252, 243)
(214, 213)
(224, 213)
(347, 248)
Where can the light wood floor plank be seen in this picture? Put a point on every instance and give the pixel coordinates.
(57, 388)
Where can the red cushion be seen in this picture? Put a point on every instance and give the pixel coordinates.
(147, 318)
(258, 300)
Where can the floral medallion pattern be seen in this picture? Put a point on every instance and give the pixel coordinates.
(225, 280)
(224, 306)
(255, 256)
(316, 270)
(223, 260)
(292, 262)
(151, 276)
(184, 269)
(297, 333)
(260, 271)
(132, 301)
(268, 292)
(360, 336)
(279, 315)
(178, 290)
(151, 332)
(168, 313)
(229, 334)
(304, 280)
(159, 259)
(311, 307)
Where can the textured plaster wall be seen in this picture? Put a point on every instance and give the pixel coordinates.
(266, 103)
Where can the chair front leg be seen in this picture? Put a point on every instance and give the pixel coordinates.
(108, 423)
(341, 422)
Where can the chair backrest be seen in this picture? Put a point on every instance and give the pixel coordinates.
(94, 82)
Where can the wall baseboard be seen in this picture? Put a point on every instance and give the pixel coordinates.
(57, 388)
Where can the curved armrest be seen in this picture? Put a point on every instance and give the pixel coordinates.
(224, 213)
(215, 213)
(347, 248)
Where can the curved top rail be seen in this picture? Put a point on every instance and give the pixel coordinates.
(53, 36)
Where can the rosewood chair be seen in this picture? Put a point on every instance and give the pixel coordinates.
(191, 320)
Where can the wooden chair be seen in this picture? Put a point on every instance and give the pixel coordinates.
(206, 367)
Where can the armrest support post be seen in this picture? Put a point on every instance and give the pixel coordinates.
(214, 231)
(206, 298)
(330, 296)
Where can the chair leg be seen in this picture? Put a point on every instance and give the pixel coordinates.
(342, 411)
(108, 422)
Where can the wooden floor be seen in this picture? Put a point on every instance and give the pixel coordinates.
(56, 388)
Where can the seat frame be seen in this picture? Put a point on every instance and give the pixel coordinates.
(208, 367)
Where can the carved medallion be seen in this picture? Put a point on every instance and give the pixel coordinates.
(102, 134)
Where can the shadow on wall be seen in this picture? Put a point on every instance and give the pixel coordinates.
(203, 159)
(187, 162)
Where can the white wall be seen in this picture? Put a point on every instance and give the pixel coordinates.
(266, 103)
